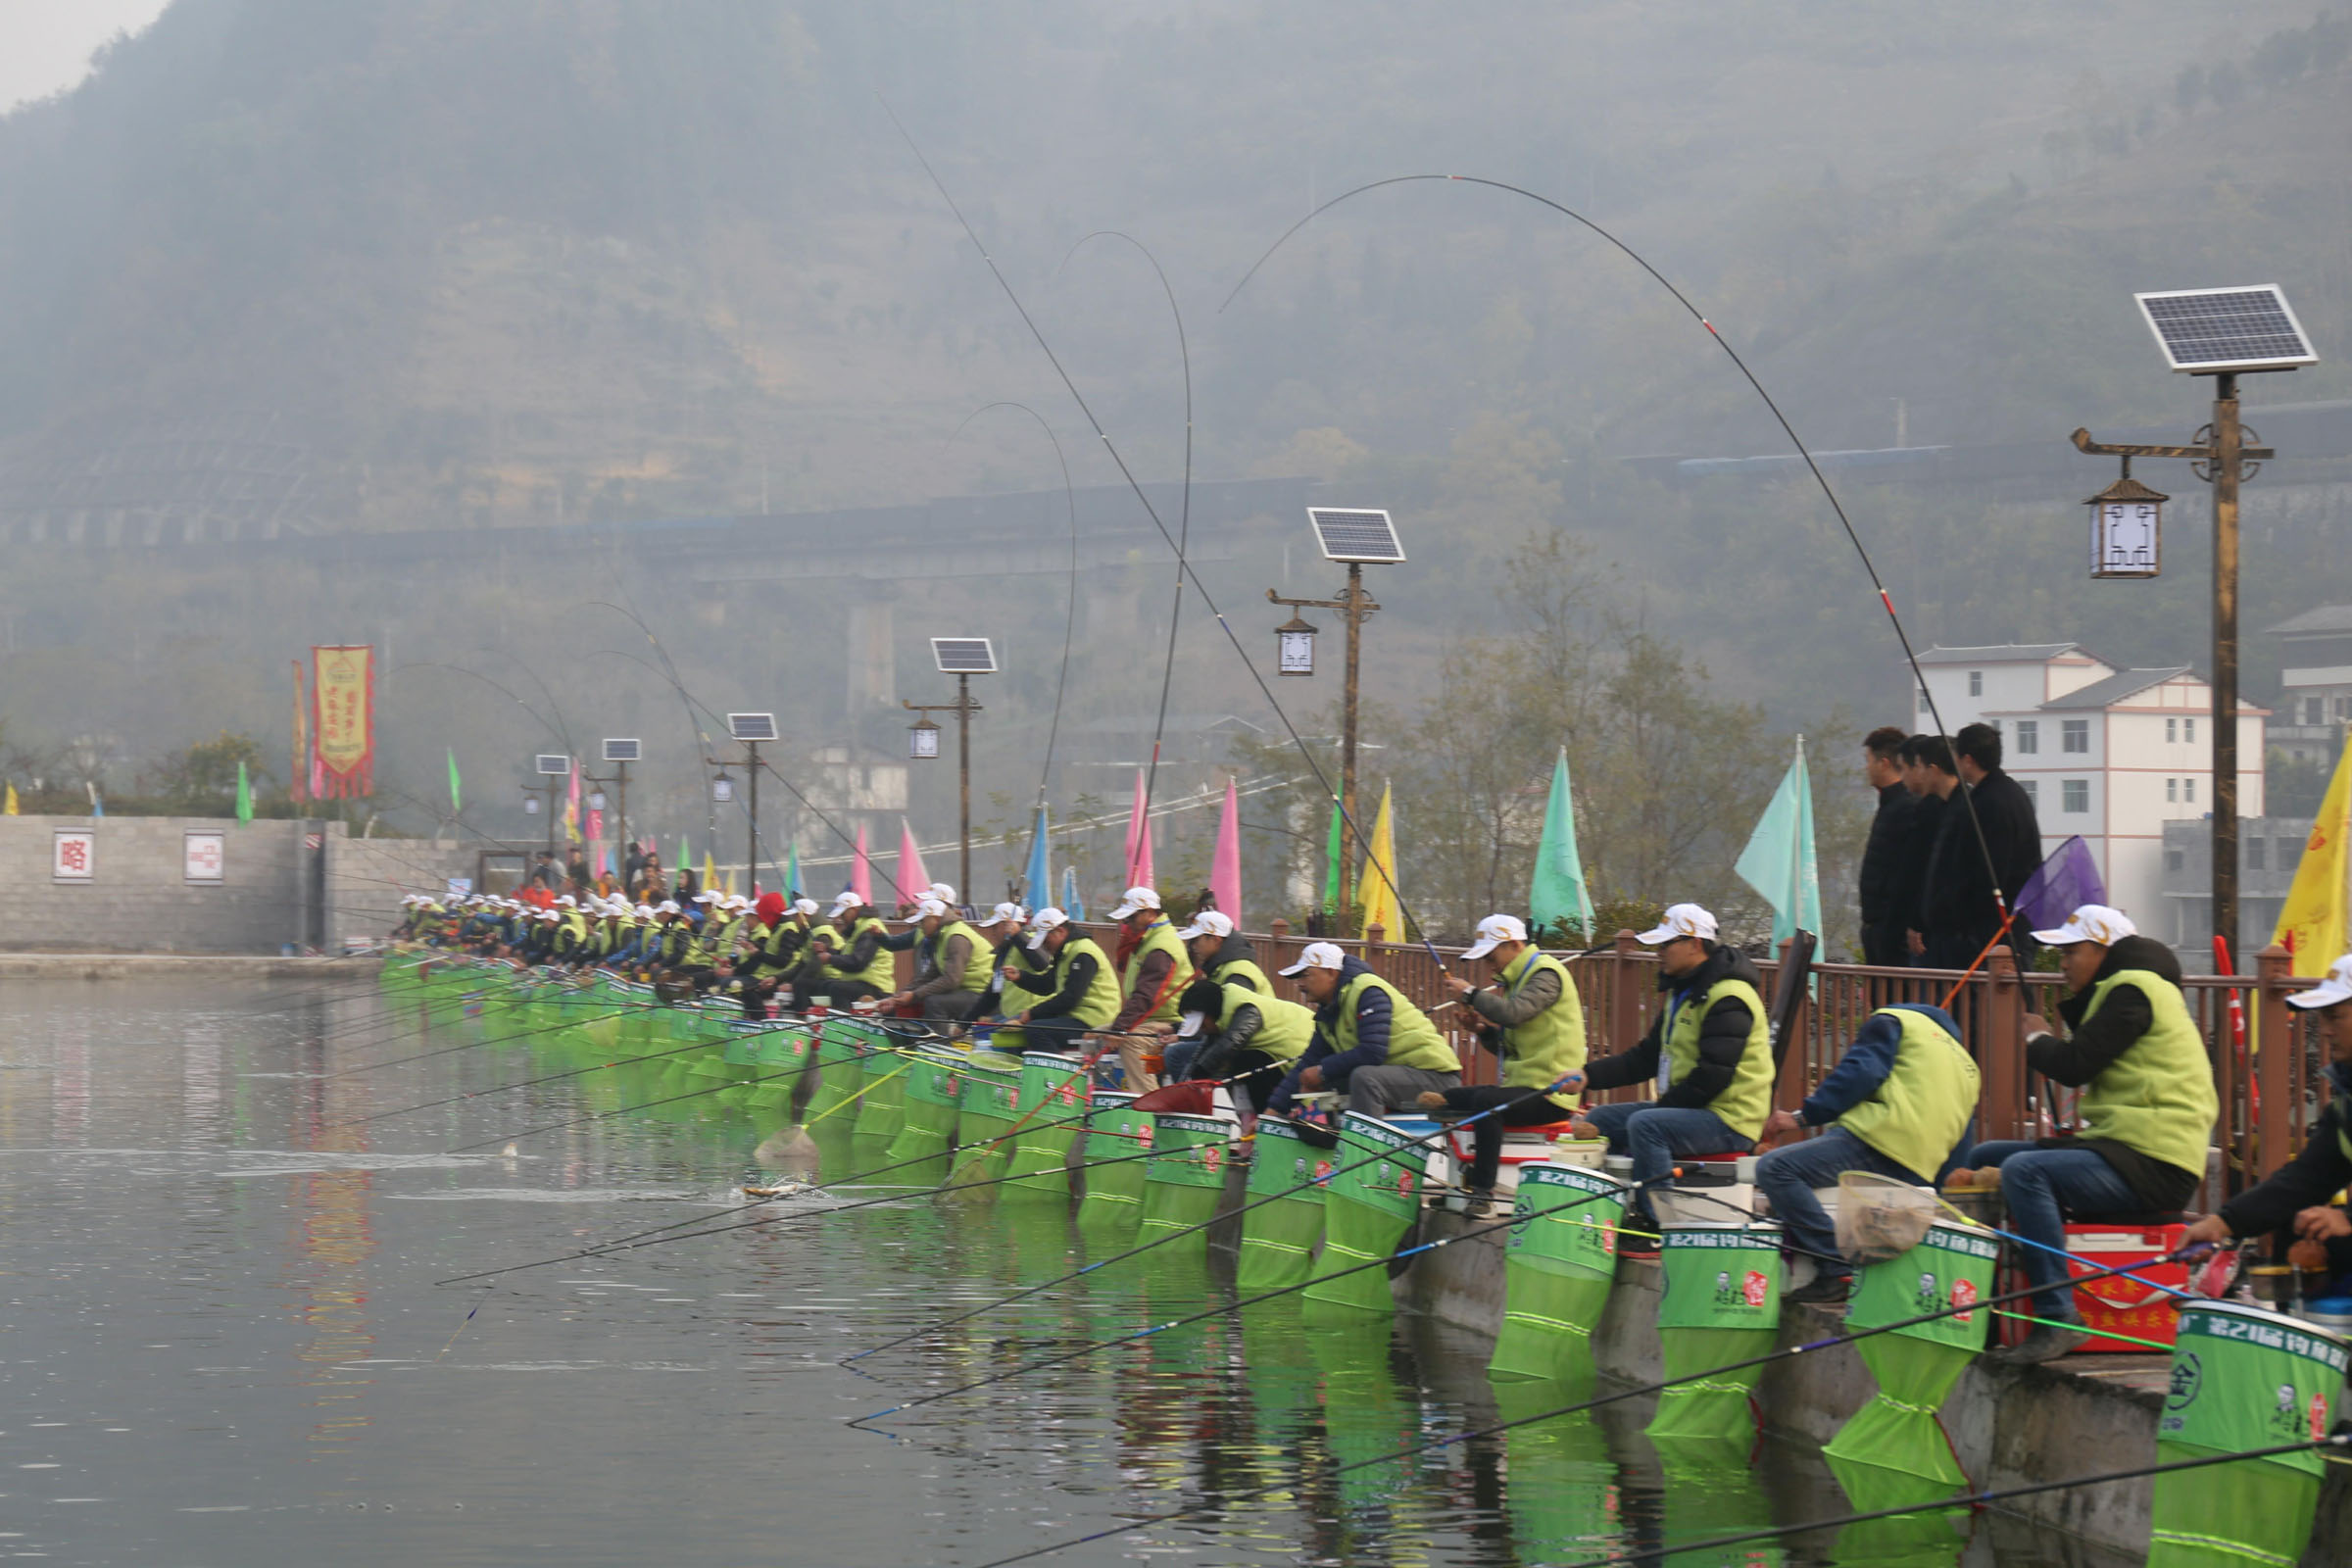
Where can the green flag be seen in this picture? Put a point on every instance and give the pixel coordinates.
(1332, 846)
(244, 794)
(684, 864)
(1558, 892)
(791, 873)
(456, 800)
(1778, 861)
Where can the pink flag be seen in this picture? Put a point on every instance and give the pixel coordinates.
(572, 805)
(1139, 839)
(912, 878)
(1225, 866)
(318, 776)
(861, 872)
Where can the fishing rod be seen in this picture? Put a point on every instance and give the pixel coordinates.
(648, 1104)
(1964, 1499)
(780, 1219)
(1174, 1235)
(1853, 537)
(1222, 1307)
(1638, 1391)
(527, 1083)
(1069, 629)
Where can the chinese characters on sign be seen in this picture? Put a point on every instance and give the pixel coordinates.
(202, 856)
(343, 689)
(75, 858)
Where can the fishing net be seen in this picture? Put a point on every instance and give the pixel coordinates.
(1278, 1237)
(1113, 1199)
(881, 1080)
(1880, 1218)
(934, 1091)
(2242, 1378)
(1951, 1266)
(1722, 1304)
(1561, 1492)
(992, 1099)
(1560, 1261)
(1053, 1092)
(1184, 1180)
(1367, 1212)
(1934, 1537)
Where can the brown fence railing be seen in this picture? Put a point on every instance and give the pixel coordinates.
(2271, 1090)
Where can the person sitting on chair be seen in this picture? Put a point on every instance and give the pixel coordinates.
(1246, 1037)
(1371, 1043)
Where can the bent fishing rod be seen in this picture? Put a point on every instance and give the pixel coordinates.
(1389, 1155)
(1632, 1393)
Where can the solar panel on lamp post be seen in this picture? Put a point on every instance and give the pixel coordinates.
(962, 658)
(2223, 333)
(1356, 536)
(751, 729)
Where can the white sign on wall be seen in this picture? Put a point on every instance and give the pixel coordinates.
(73, 855)
(204, 856)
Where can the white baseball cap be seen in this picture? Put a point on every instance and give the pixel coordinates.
(848, 900)
(1496, 929)
(941, 891)
(1682, 920)
(568, 902)
(804, 906)
(1007, 911)
(2337, 987)
(1208, 923)
(2092, 922)
(705, 897)
(1046, 919)
(668, 907)
(1134, 901)
(645, 911)
(1317, 956)
(929, 907)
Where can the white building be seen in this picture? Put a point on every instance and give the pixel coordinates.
(2105, 752)
(2315, 682)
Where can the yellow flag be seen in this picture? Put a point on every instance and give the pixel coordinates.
(1375, 887)
(9, 810)
(711, 874)
(2311, 920)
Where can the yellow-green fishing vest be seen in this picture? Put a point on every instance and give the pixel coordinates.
(1286, 1029)
(1243, 971)
(1918, 1114)
(975, 965)
(713, 942)
(1550, 1045)
(1747, 1099)
(1017, 998)
(881, 971)
(1158, 936)
(575, 926)
(1101, 1004)
(1413, 1041)
(2158, 1097)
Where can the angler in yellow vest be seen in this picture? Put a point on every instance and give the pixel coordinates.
(1082, 997)
(1370, 1043)
(1713, 1037)
(847, 961)
(1898, 1105)
(1015, 983)
(1534, 1021)
(1246, 1038)
(1221, 954)
(952, 970)
(2298, 1199)
(1154, 970)
(2147, 1111)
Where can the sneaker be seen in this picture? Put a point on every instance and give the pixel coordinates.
(1435, 1104)
(1632, 1246)
(1480, 1204)
(2047, 1343)
(1823, 1290)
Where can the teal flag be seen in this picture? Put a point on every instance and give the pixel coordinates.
(1038, 881)
(1333, 846)
(455, 798)
(1558, 891)
(1071, 905)
(1778, 860)
(244, 794)
(791, 873)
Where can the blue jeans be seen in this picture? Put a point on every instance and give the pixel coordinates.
(2044, 1188)
(1176, 1062)
(1787, 1176)
(1654, 1135)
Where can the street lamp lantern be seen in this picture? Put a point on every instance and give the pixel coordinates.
(1295, 647)
(596, 800)
(922, 740)
(962, 658)
(531, 805)
(723, 788)
(2126, 529)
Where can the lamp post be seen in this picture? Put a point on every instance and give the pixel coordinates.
(751, 729)
(555, 771)
(620, 753)
(1353, 537)
(964, 657)
(2221, 333)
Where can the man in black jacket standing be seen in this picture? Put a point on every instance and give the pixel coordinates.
(1881, 883)
(1960, 910)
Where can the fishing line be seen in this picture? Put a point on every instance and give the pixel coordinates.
(1171, 1236)
(1630, 1393)
(1207, 601)
(1963, 1500)
(1184, 530)
(1069, 629)
(1886, 600)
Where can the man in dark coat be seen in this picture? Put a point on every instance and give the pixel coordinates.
(1960, 910)
(1882, 882)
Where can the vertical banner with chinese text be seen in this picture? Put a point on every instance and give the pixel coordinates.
(343, 691)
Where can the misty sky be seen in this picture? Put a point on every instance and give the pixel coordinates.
(45, 44)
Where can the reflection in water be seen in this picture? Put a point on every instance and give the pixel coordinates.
(220, 1318)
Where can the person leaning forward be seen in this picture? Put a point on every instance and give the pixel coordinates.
(1533, 1022)
(1154, 970)
(1078, 993)
(1715, 1037)
(2146, 1112)
(2299, 1198)
(1898, 1105)
(1370, 1043)
(954, 977)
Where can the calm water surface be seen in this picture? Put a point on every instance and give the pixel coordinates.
(222, 1342)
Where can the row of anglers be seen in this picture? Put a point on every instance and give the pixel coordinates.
(1192, 1003)
(1332, 1217)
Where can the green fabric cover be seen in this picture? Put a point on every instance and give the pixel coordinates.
(1918, 1366)
(1722, 1304)
(1184, 1180)
(1367, 1212)
(1278, 1237)
(1113, 1199)
(1053, 1092)
(992, 1098)
(1559, 1263)
(933, 1096)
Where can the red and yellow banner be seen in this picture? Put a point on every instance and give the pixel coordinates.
(343, 693)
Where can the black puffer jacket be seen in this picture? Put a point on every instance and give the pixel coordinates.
(1722, 1036)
